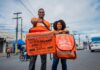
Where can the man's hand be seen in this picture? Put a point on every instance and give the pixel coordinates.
(40, 21)
(35, 22)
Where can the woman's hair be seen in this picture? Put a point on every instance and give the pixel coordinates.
(62, 23)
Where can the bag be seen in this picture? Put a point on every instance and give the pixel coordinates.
(66, 47)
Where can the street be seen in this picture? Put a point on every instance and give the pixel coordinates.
(85, 61)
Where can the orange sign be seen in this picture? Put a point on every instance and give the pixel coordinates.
(40, 43)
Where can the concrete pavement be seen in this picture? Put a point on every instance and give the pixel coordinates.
(85, 61)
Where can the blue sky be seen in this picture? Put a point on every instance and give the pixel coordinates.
(80, 15)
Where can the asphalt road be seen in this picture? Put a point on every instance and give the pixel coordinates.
(85, 61)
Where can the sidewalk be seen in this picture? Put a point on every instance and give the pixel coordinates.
(2, 54)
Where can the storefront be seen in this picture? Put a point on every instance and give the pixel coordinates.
(2, 42)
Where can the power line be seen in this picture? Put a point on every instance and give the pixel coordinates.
(26, 7)
(30, 4)
(7, 29)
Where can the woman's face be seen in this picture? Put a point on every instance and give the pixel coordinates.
(59, 26)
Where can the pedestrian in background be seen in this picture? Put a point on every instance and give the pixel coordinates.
(8, 50)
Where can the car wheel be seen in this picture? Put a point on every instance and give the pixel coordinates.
(92, 50)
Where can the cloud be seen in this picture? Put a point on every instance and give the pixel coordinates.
(79, 15)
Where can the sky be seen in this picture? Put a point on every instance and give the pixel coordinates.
(81, 16)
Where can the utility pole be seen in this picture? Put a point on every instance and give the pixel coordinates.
(79, 39)
(17, 18)
(21, 28)
(88, 44)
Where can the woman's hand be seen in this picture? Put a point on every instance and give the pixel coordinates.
(55, 32)
(60, 32)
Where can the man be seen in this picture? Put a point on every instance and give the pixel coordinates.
(39, 25)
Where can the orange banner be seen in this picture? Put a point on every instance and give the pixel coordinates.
(40, 43)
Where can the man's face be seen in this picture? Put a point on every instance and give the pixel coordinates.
(41, 13)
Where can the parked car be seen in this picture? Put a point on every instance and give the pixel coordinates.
(95, 44)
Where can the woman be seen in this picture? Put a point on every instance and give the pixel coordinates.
(59, 28)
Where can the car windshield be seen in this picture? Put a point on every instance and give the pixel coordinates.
(96, 42)
(95, 39)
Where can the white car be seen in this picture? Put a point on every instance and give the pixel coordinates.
(94, 46)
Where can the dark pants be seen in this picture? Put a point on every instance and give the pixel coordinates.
(33, 60)
(56, 61)
(8, 54)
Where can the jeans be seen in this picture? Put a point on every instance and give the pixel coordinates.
(33, 60)
(25, 57)
(56, 61)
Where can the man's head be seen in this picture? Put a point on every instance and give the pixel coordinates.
(41, 13)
